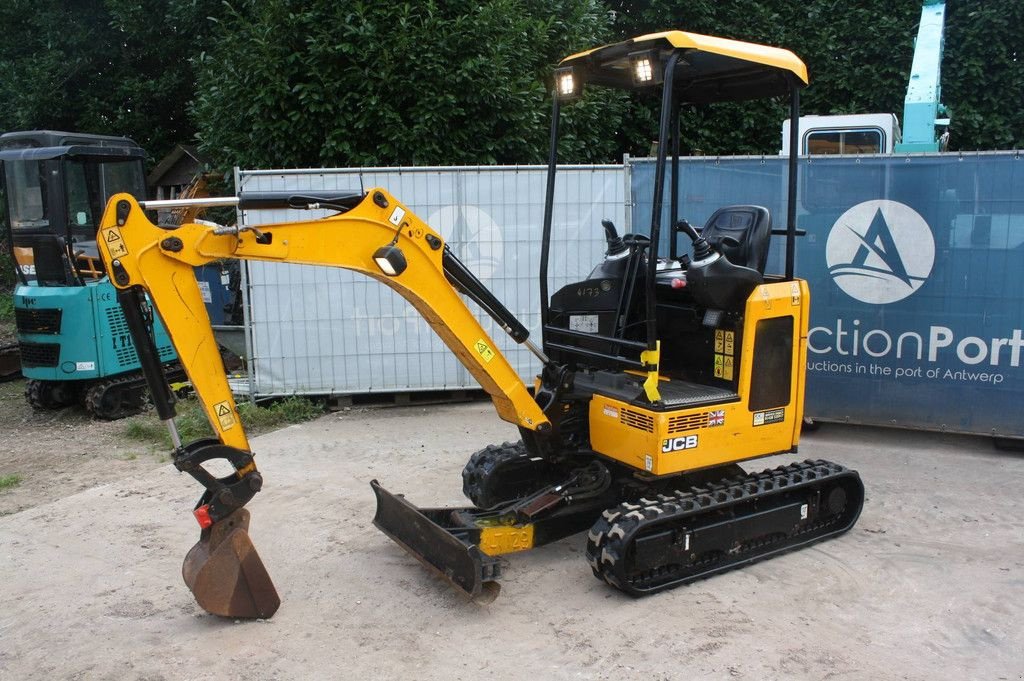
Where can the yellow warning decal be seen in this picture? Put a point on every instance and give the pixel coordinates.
(115, 243)
(225, 415)
(725, 347)
(484, 350)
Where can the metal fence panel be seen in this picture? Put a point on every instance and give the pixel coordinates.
(916, 269)
(319, 330)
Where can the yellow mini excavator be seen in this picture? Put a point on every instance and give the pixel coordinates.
(669, 364)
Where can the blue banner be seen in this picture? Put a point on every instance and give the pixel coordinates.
(916, 270)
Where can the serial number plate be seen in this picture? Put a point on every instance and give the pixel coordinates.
(585, 323)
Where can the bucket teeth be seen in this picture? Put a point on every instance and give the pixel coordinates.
(225, 573)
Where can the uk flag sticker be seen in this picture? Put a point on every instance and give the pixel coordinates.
(716, 418)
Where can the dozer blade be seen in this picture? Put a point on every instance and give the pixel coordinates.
(225, 573)
(434, 537)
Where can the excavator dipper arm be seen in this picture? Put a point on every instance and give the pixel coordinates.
(375, 235)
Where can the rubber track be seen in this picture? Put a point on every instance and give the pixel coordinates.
(483, 464)
(98, 390)
(93, 400)
(609, 540)
(43, 395)
(498, 474)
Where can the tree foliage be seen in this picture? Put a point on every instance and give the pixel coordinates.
(279, 83)
(118, 67)
(369, 83)
(983, 74)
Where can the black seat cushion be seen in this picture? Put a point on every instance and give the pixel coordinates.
(751, 226)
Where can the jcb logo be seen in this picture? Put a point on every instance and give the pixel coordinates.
(677, 443)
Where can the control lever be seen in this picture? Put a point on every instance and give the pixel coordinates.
(701, 249)
(611, 235)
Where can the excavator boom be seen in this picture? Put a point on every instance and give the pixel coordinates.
(373, 234)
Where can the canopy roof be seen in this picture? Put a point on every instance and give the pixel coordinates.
(709, 69)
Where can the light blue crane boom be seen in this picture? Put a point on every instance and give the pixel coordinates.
(922, 108)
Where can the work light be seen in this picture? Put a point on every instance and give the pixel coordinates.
(390, 260)
(565, 83)
(645, 68)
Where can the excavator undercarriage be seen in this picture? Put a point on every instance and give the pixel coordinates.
(644, 536)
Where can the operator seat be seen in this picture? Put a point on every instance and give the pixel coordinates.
(751, 226)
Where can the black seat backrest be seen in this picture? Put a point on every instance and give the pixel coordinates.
(751, 226)
(48, 258)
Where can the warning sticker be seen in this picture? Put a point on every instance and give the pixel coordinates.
(396, 216)
(611, 411)
(484, 350)
(115, 244)
(204, 291)
(725, 348)
(225, 415)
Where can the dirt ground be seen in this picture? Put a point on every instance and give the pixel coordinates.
(62, 452)
(927, 585)
(58, 453)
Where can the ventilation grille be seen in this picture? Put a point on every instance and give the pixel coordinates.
(704, 419)
(124, 350)
(679, 424)
(39, 354)
(636, 419)
(37, 321)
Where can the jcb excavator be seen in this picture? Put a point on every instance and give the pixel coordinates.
(660, 371)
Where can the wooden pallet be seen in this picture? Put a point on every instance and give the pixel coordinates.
(403, 399)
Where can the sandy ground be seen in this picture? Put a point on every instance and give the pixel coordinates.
(928, 585)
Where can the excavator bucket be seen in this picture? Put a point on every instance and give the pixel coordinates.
(225, 573)
(439, 542)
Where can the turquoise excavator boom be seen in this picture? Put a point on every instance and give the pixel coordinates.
(922, 107)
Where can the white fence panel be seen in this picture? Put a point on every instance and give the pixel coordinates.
(320, 330)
